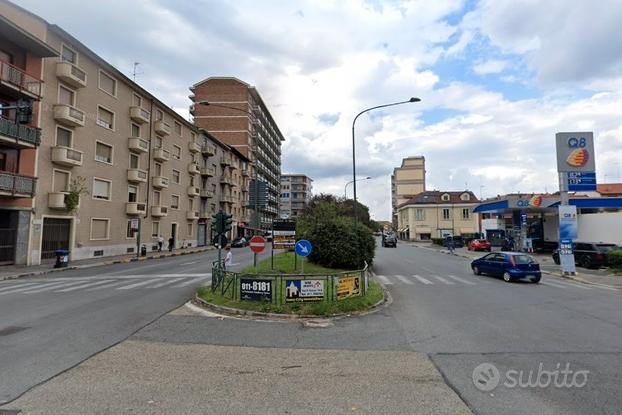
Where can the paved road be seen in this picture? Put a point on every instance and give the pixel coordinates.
(53, 322)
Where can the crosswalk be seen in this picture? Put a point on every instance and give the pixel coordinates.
(119, 283)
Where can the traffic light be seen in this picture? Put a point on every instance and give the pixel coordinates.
(227, 220)
(24, 111)
(217, 223)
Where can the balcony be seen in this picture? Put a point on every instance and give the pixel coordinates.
(159, 182)
(71, 74)
(138, 145)
(56, 200)
(208, 150)
(192, 214)
(205, 213)
(66, 156)
(135, 208)
(206, 193)
(194, 147)
(139, 115)
(136, 176)
(68, 115)
(17, 82)
(193, 191)
(159, 211)
(227, 199)
(193, 168)
(208, 171)
(16, 185)
(226, 161)
(159, 154)
(162, 128)
(17, 135)
(245, 172)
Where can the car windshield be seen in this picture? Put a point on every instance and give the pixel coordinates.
(605, 247)
(523, 259)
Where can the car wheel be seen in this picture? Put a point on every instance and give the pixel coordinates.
(585, 262)
(476, 270)
(507, 277)
(535, 280)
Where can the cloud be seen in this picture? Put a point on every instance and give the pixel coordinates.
(490, 67)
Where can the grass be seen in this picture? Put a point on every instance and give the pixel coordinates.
(284, 263)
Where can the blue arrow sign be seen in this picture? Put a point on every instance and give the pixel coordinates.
(303, 247)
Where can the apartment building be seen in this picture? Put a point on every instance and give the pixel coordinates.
(122, 151)
(296, 191)
(407, 181)
(234, 112)
(435, 214)
(21, 88)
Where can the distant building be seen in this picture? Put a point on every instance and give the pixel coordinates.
(295, 194)
(610, 189)
(407, 181)
(435, 214)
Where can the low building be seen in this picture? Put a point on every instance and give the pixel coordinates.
(295, 194)
(437, 214)
(407, 181)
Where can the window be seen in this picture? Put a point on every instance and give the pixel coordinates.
(466, 213)
(103, 152)
(134, 161)
(190, 204)
(130, 233)
(176, 152)
(155, 229)
(159, 115)
(101, 189)
(107, 84)
(132, 193)
(445, 197)
(177, 128)
(156, 198)
(137, 100)
(465, 197)
(99, 229)
(63, 137)
(193, 137)
(191, 180)
(446, 214)
(419, 214)
(66, 96)
(105, 118)
(176, 176)
(158, 169)
(69, 55)
(157, 141)
(174, 202)
(190, 229)
(135, 130)
(60, 181)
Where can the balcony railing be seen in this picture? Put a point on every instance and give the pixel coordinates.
(18, 79)
(162, 128)
(139, 115)
(135, 208)
(138, 144)
(193, 147)
(208, 150)
(66, 156)
(206, 193)
(68, 115)
(136, 175)
(17, 185)
(20, 134)
(71, 74)
(208, 171)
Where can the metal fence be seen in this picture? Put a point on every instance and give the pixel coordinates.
(280, 289)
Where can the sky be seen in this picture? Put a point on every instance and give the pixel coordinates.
(496, 78)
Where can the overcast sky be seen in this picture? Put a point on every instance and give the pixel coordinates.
(497, 79)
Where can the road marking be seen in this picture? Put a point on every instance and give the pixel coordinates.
(573, 285)
(193, 280)
(51, 286)
(423, 280)
(443, 280)
(162, 284)
(384, 280)
(14, 286)
(453, 277)
(101, 287)
(552, 284)
(404, 279)
(77, 287)
(39, 288)
(190, 263)
(138, 284)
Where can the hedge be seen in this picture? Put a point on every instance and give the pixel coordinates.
(614, 258)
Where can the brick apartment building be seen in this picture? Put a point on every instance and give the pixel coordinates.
(238, 116)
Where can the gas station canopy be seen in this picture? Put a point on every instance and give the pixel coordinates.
(544, 203)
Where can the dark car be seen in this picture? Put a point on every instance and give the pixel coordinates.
(389, 240)
(240, 242)
(589, 254)
(458, 241)
(511, 266)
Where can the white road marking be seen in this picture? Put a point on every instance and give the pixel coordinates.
(52, 286)
(404, 279)
(190, 263)
(384, 280)
(423, 280)
(552, 284)
(101, 287)
(162, 284)
(39, 288)
(14, 286)
(78, 287)
(192, 281)
(573, 285)
(443, 280)
(453, 277)
(138, 284)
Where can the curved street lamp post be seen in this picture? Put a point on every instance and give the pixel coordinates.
(345, 188)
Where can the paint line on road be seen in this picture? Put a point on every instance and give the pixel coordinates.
(51, 286)
(384, 280)
(404, 279)
(14, 286)
(190, 263)
(162, 284)
(552, 284)
(194, 280)
(101, 287)
(423, 280)
(138, 284)
(462, 280)
(572, 284)
(443, 280)
(78, 287)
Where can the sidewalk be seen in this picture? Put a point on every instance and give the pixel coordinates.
(17, 271)
(547, 265)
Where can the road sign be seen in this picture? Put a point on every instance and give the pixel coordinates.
(220, 241)
(303, 248)
(134, 224)
(257, 244)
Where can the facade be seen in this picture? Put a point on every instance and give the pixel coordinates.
(125, 153)
(238, 116)
(295, 194)
(436, 214)
(407, 181)
(21, 85)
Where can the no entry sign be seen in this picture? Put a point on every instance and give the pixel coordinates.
(257, 244)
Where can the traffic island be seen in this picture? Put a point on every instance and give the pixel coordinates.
(281, 289)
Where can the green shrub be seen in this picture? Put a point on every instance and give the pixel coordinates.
(438, 241)
(614, 258)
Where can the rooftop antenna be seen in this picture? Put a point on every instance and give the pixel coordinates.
(134, 73)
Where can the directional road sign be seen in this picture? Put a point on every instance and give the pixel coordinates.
(303, 248)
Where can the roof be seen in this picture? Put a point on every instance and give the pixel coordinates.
(209, 78)
(609, 188)
(29, 42)
(433, 197)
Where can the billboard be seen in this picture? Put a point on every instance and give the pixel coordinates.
(283, 234)
(568, 222)
(304, 290)
(255, 290)
(575, 152)
(348, 286)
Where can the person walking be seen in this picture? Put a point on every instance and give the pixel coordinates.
(160, 243)
(228, 258)
(171, 244)
(450, 244)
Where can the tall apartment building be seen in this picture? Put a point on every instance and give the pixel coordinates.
(131, 154)
(407, 181)
(21, 66)
(238, 116)
(295, 194)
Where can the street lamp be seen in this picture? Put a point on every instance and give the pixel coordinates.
(345, 188)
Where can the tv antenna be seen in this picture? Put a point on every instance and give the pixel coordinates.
(134, 73)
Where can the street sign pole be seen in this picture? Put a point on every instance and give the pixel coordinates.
(255, 262)
(138, 239)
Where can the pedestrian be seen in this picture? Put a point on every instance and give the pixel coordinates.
(160, 243)
(228, 258)
(450, 244)
(171, 244)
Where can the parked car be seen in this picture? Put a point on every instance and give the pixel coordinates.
(511, 266)
(458, 241)
(589, 254)
(389, 240)
(479, 245)
(239, 242)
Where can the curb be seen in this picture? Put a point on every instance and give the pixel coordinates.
(103, 263)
